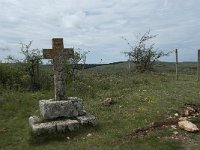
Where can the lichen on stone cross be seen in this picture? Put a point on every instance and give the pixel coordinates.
(59, 54)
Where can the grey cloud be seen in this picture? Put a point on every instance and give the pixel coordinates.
(4, 49)
(98, 25)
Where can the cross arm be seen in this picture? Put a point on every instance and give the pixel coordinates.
(47, 54)
(68, 53)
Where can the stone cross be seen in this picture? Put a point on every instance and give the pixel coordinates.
(59, 54)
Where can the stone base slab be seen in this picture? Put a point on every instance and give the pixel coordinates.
(71, 107)
(39, 125)
(87, 119)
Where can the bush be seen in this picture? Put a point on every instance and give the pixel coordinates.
(142, 54)
(12, 77)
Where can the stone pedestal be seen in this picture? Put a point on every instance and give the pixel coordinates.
(66, 108)
(60, 116)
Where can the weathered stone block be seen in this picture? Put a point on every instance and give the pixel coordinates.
(47, 127)
(66, 125)
(87, 119)
(40, 126)
(66, 108)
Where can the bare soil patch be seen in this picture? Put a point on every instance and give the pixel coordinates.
(187, 112)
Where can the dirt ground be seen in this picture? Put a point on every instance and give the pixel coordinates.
(188, 112)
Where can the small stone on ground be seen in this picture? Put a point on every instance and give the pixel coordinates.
(188, 126)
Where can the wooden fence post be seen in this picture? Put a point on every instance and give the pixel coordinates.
(176, 51)
(198, 65)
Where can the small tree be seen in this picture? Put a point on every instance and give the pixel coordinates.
(84, 57)
(78, 61)
(144, 56)
(32, 59)
(74, 62)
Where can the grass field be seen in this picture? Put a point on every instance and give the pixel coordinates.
(140, 99)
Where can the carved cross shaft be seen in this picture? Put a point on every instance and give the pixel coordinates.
(59, 54)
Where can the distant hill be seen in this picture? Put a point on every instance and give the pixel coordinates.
(122, 67)
(160, 67)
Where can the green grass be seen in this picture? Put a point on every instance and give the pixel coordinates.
(140, 99)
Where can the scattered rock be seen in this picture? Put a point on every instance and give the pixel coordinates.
(173, 127)
(188, 126)
(89, 135)
(176, 114)
(189, 111)
(186, 113)
(3, 130)
(175, 132)
(108, 102)
(182, 118)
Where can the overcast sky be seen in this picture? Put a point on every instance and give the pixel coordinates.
(98, 25)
